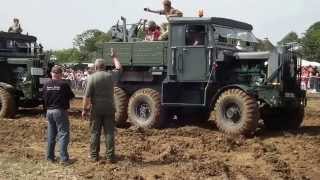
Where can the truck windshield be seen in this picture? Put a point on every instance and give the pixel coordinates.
(17, 46)
(232, 36)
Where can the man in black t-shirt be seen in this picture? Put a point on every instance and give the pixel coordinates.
(57, 94)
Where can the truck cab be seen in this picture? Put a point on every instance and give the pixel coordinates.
(199, 50)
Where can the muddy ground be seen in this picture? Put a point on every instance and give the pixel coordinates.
(183, 151)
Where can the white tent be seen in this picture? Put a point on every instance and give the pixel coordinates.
(310, 63)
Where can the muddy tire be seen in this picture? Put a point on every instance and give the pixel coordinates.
(121, 105)
(7, 104)
(236, 113)
(283, 119)
(144, 108)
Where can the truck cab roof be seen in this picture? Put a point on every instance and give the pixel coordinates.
(211, 20)
(17, 36)
(17, 45)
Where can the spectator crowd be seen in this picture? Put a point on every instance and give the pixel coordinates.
(77, 78)
(310, 79)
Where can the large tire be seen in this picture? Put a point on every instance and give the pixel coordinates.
(283, 119)
(7, 104)
(236, 113)
(144, 108)
(121, 105)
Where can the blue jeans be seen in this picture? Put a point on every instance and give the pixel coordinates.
(58, 124)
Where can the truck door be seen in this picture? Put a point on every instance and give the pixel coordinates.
(192, 59)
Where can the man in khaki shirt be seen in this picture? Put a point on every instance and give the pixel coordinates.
(167, 10)
(98, 99)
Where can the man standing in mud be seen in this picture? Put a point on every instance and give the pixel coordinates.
(98, 99)
(57, 95)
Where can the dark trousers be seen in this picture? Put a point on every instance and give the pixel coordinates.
(58, 125)
(99, 121)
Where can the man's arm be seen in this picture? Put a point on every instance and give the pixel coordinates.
(117, 63)
(115, 59)
(86, 103)
(19, 29)
(175, 13)
(70, 92)
(161, 12)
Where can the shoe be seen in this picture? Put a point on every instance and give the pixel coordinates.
(111, 161)
(51, 160)
(93, 158)
(65, 163)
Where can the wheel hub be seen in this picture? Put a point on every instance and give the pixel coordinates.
(233, 113)
(143, 111)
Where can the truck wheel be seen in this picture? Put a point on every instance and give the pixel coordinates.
(121, 104)
(236, 113)
(283, 119)
(144, 108)
(7, 104)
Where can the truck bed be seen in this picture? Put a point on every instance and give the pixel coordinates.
(145, 53)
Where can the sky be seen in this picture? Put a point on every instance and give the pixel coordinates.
(57, 22)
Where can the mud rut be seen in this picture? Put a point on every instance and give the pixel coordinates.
(182, 151)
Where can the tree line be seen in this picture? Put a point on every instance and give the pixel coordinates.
(87, 43)
(85, 46)
(309, 42)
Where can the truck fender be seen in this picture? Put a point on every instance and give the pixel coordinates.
(244, 88)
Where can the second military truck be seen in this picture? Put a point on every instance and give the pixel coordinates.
(208, 66)
(23, 66)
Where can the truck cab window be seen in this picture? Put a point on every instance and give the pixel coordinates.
(195, 35)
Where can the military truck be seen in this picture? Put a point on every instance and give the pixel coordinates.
(210, 67)
(22, 65)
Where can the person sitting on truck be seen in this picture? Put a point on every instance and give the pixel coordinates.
(152, 32)
(16, 27)
(168, 11)
(164, 32)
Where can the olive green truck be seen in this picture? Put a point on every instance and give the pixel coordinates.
(209, 67)
(23, 70)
